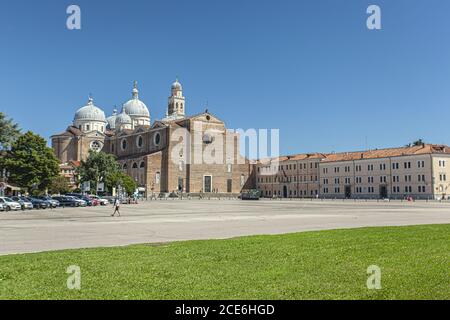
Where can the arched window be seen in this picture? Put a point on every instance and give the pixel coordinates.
(125, 166)
(135, 165)
(157, 139)
(157, 178)
(142, 165)
(139, 141)
(124, 144)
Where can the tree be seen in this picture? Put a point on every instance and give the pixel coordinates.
(59, 185)
(9, 132)
(31, 163)
(97, 168)
(128, 184)
(120, 179)
(416, 143)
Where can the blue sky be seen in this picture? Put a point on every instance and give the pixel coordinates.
(308, 67)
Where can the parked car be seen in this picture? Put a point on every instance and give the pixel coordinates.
(10, 204)
(24, 203)
(81, 203)
(102, 201)
(252, 194)
(37, 203)
(51, 202)
(109, 198)
(66, 201)
(2, 207)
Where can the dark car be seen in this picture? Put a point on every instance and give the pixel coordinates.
(37, 203)
(51, 202)
(89, 201)
(66, 201)
(252, 194)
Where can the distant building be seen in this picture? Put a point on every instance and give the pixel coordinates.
(421, 172)
(68, 171)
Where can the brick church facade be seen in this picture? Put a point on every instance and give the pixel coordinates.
(190, 154)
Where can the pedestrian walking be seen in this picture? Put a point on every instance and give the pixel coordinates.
(116, 207)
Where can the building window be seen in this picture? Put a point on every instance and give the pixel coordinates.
(124, 144)
(157, 178)
(96, 146)
(125, 166)
(139, 142)
(134, 165)
(142, 165)
(157, 139)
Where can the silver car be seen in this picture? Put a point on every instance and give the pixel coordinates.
(10, 204)
(24, 203)
(2, 207)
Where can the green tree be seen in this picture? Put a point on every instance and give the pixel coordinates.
(31, 163)
(128, 184)
(416, 143)
(116, 179)
(97, 168)
(9, 131)
(59, 185)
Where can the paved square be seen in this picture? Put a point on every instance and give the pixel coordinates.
(173, 220)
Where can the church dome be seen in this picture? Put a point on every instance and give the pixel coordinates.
(90, 113)
(135, 107)
(112, 120)
(176, 85)
(122, 119)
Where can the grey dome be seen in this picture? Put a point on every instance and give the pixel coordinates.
(90, 113)
(135, 107)
(176, 85)
(122, 119)
(112, 120)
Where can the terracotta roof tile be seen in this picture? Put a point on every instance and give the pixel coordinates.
(389, 152)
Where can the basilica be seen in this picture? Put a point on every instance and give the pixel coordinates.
(150, 152)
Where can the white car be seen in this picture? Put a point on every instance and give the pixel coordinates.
(9, 204)
(2, 207)
(103, 202)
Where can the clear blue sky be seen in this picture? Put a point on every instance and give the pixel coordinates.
(308, 67)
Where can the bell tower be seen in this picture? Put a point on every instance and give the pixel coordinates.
(176, 107)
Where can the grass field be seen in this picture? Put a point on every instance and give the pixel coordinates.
(333, 264)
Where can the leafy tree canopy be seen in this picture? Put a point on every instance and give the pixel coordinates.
(59, 185)
(97, 168)
(30, 162)
(123, 180)
(416, 143)
(9, 131)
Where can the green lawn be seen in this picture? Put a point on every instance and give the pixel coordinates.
(313, 265)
